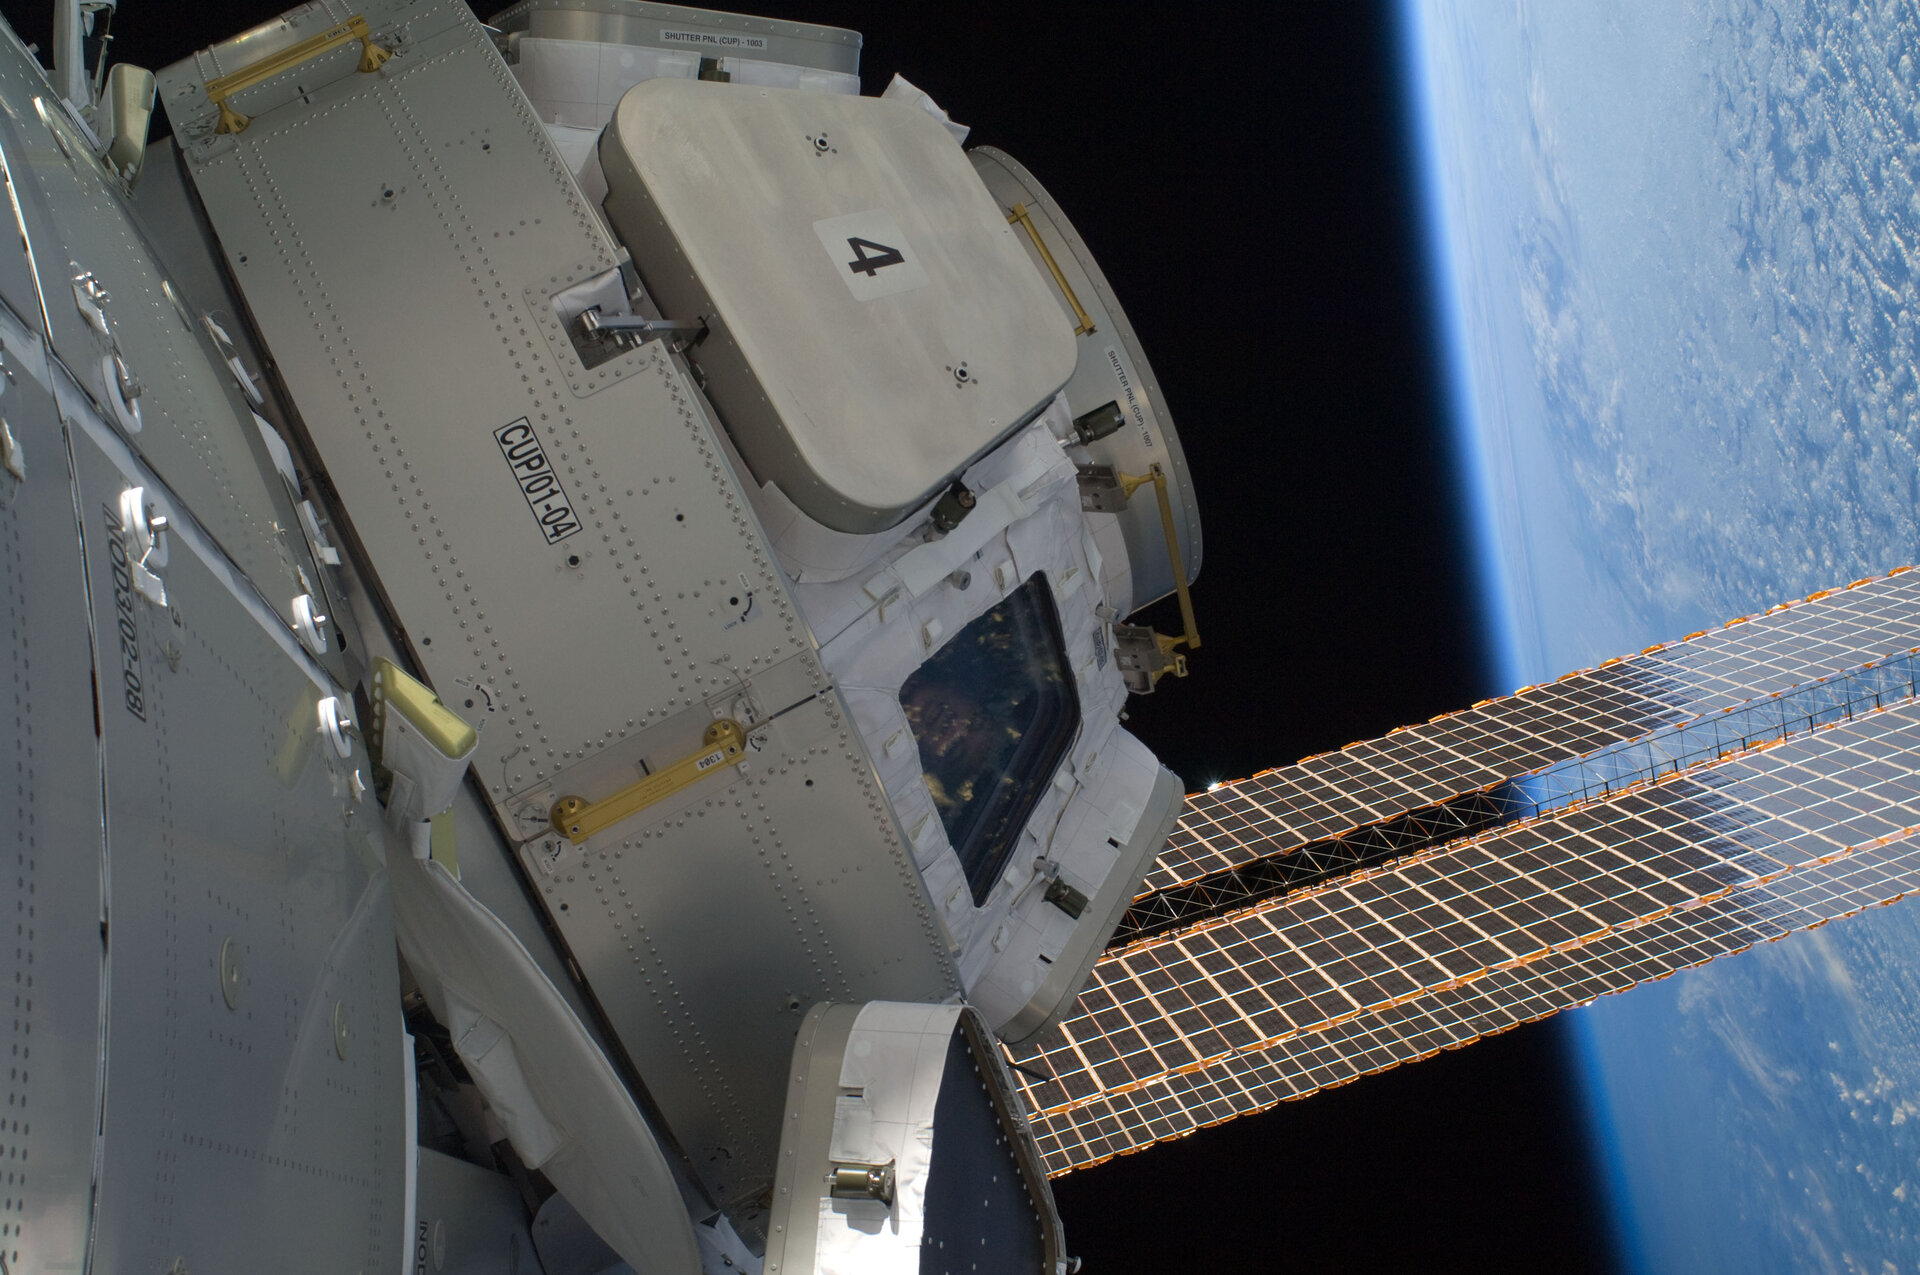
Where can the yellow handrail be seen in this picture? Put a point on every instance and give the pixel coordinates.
(576, 819)
(1024, 220)
(354, 28)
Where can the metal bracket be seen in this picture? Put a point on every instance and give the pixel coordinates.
(1065, 897)
(224, 344)
(123, 392)
(323, 548)
(1100, 491)
(1142, 655)
(90, 297)
(723, 745)
(372, 56)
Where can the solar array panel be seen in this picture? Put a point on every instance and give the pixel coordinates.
(1387, 965)
(1596, 774)
(1334, 793)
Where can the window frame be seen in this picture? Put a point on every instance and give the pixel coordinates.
(1001, 821)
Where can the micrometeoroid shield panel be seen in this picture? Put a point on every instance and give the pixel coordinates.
(874, 326)
(578, 575)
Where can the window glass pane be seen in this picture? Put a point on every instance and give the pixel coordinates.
(993, 712)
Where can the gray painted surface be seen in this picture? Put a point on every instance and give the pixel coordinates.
(197, 432)
(51, 855)
(699, 921)
(236, 1135)
(875, 327)
(176, 800)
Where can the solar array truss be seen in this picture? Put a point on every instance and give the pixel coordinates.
(1772, 783)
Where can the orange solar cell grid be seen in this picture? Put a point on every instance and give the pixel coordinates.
(1336, 792)
(1390, 964)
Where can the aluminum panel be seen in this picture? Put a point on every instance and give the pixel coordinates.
(708, 931)
(18, 284)
(700, 31)
(254, 1089)
(875, 326)
(683, 596)
(52, 964)
(195, 428)
(1111, 367)
(590, 657)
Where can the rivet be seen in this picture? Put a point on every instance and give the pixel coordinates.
(232, 973)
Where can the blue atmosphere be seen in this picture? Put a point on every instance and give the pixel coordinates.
(1675, 247)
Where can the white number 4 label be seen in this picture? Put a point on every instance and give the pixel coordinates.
(869, 252)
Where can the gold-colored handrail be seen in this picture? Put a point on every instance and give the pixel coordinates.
(354, 28)
(1019, 216)
(724, 745)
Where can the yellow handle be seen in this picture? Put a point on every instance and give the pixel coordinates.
(354, 28)
(576, 819)
(395, 691)
(1020, 216)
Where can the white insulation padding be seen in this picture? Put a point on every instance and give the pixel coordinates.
(890, 1081)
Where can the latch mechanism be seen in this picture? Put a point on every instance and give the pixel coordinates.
(309, 624)
(723, 745)
(631, 328)
(420, 747)
(147, 551)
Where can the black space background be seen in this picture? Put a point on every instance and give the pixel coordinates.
(1244, 176)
